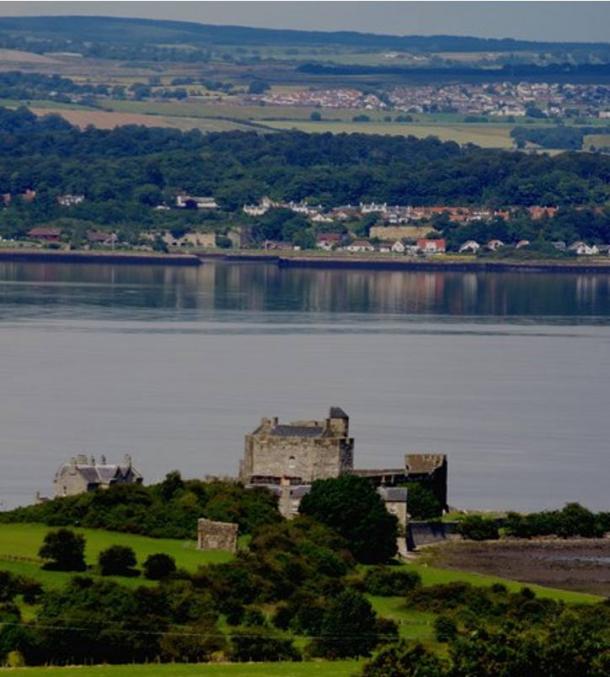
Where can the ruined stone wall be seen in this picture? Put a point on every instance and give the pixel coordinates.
(216, 535)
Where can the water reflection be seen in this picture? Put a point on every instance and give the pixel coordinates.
(220, 286)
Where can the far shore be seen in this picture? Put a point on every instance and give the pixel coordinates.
(31, 255)
(452, 263)
(320, 260)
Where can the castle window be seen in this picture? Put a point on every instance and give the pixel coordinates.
(292, 463)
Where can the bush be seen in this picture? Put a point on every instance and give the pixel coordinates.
(351, 506)
(445, 629)
(404, 660)
(117, 560)
(64, 549)
(257, 645)
(479, 528)
(388, 582)
(159, 566)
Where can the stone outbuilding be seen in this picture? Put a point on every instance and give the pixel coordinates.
(213, 535)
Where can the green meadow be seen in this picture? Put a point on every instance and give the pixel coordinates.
(310, 668)
(19, 544)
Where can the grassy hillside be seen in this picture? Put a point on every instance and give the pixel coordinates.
(316, 669)
(19, 544)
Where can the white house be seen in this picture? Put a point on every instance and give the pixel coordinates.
(494, 245)
(583, 249)
(522, 243)
(471, 246)
(358, 246)
(184, 201)
(398, 247)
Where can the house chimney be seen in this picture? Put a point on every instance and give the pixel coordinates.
(128, 460)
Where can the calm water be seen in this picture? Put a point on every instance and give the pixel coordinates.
(507, 373)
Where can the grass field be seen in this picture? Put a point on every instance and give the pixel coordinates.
(597, 140)
(315, 668)
(24, 540)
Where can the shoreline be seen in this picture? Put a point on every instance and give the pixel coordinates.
(343, 262)
(93, 257)
(411, 265)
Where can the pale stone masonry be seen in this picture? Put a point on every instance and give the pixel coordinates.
(302, 451)
(82, 474)
(213, 535)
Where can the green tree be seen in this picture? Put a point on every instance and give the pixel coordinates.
(351, 506)
(422, 503)
(159, 566)
(117, 560)
(348, 628)
(65, 551)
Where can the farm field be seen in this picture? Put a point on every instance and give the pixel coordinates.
(485, 135)
(109, 120)
(19, 544)
(314, 668)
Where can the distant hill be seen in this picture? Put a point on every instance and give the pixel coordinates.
(72, 32)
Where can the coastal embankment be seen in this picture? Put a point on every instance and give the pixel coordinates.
(126, 258)
(437, 263)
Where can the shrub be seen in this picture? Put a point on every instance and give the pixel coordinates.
(404, 660)
(257, 645)
(159, 566)
(117, 560)
(445, 629)
(479, 528)
(65, 551)
(388, 582)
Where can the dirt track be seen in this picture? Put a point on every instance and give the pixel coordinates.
(578, 564)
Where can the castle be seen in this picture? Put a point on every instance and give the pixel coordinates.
(287, 458)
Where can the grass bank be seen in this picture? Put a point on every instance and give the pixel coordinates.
(316, 668)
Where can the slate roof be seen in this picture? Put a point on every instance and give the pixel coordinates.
(103, 474)
(337, 412)
(297, 431)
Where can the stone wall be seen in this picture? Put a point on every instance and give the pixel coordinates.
(427, 533)
(216, 535)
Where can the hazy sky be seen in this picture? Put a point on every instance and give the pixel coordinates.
(578, 21)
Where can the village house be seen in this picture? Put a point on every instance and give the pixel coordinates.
(190, 239)
(583, 249)
(428, 246)
(537, 212)
(494, 245)
(522, 244)
(102, 238)
(184, 201)
(259, 209)
(470, 246)
(70, 200)
(82, 474)
(328, 241)
(398, 247)
(360, 246)
(45, 234)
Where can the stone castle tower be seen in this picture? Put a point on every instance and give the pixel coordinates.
(300, 452)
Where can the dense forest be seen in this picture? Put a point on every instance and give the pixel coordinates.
(126, 172)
